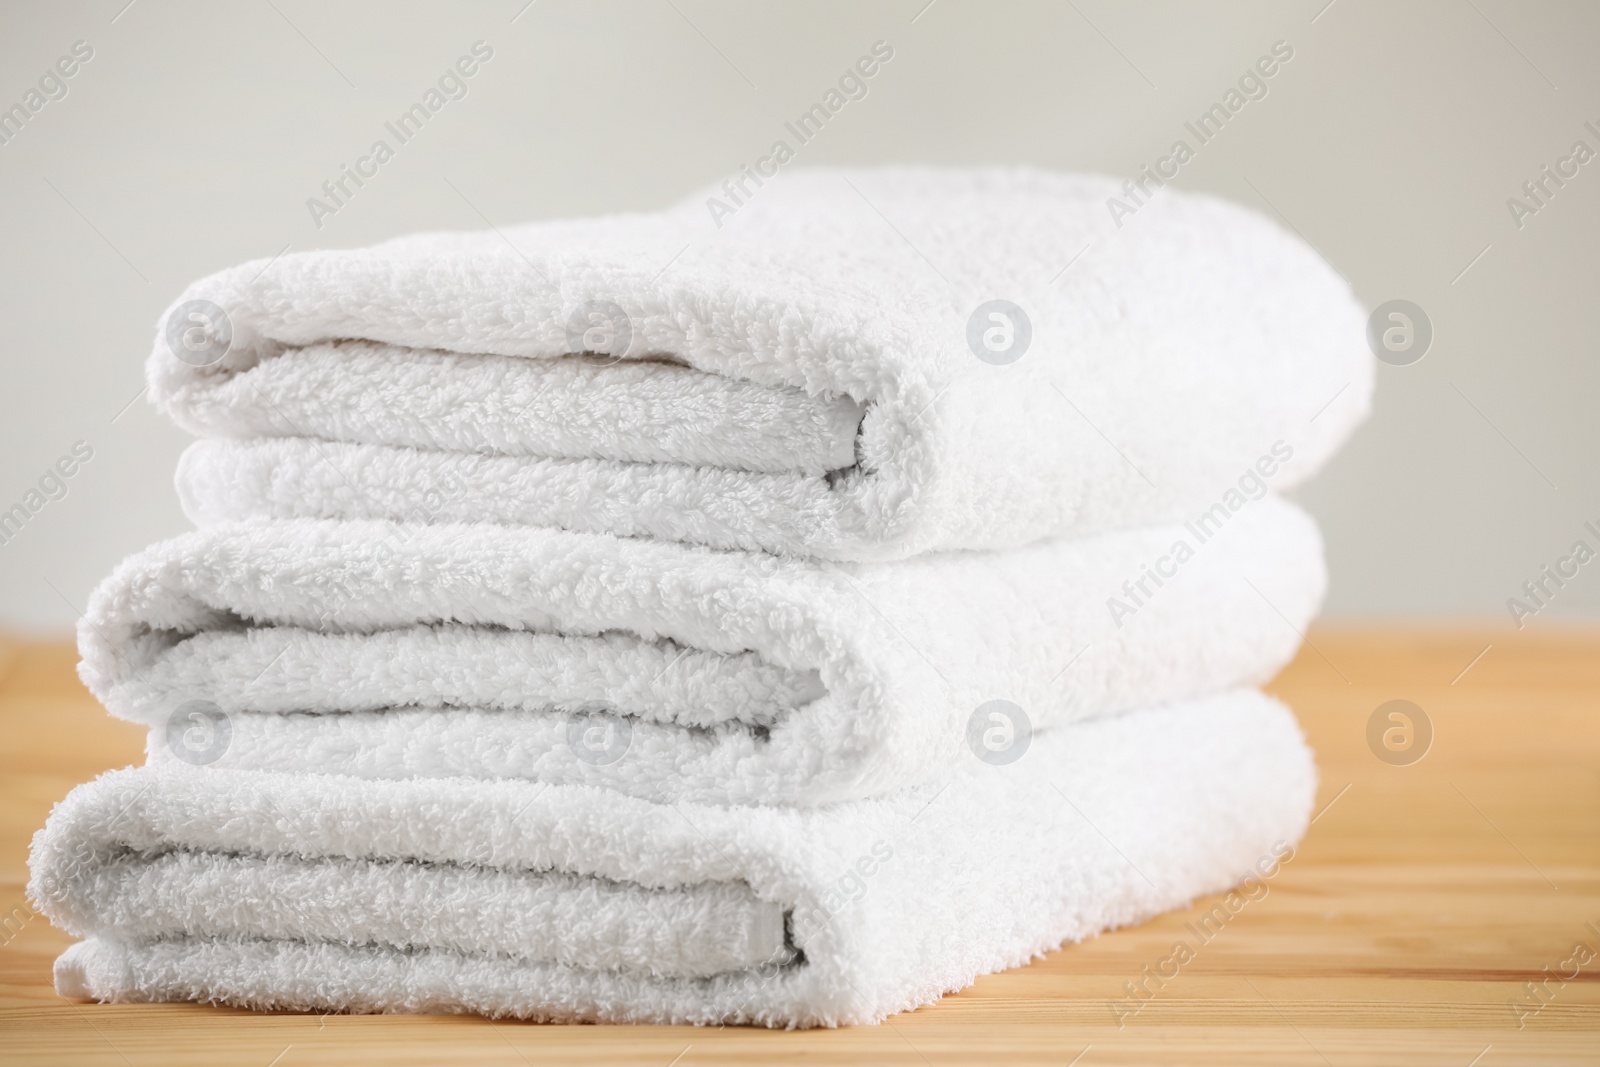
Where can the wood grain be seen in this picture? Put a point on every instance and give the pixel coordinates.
(1403, 931)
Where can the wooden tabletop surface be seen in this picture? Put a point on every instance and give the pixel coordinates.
(1426, 898)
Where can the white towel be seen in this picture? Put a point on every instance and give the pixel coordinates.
(668, 671)
(823, 375)
(309, 892)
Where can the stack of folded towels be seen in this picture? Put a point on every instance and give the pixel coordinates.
(629, 619)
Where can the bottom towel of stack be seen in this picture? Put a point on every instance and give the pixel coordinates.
(569, 902)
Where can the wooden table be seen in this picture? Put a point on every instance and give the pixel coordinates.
(1423, 900)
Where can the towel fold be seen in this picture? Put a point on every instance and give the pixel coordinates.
(309, 892)
(781, 617)
(860, 365)
(666, 671)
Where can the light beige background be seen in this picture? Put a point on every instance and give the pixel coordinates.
(1391, 141)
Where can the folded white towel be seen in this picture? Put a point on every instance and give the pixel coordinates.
(663, 670)
(311, 892)
(825, 375)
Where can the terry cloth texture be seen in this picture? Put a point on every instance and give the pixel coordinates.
(317, 893)
(667, 671)
(806, 379)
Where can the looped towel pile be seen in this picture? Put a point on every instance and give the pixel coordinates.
(628, 619)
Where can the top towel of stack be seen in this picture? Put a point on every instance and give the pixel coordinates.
(856, 366)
